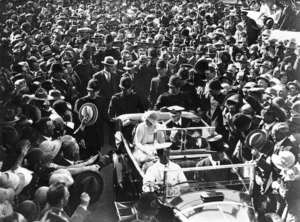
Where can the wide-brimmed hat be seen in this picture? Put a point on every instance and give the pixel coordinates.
(215, 84)
(148, 204)
(89, 182)
(89, 112)
(284, 160)
(240, 120)
(40, 94)
(235, 98)
(201, 65)
(23, 120)
(151, 116)
(219, 31)
(55, 94)
(265, 77)
(294, 83)
(267, 64)
(109, 60)
(10, 116)
(256, 139)
(61, 176)
(216, 143)
(50, 147)
(129, 65)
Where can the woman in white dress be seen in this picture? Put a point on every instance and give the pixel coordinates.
(144, 146)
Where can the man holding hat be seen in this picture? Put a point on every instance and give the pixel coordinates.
(92, 114)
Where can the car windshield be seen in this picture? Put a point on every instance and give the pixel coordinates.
(220, 192)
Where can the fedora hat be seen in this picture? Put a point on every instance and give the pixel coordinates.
(265, 77)
(10, 135)
(216, 143)
(89, 112)
(129, 65)
(201, 65)
(294, 83)
(89, 182)
(148, 204)
(23, 121)
(55, 94)
(235, 98)
(10, 117)
(284, 160)
(219, 31)
(50, 147)
(61, 176)
(109, 60)
(256, 139)
(40, 94)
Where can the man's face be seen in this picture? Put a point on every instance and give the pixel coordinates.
(175, 116)
(293, 90)
(209, 75)
(69, 69)
(161, 72)
(277, 135)
(174, 90)
(175, 51)
(165, 156)
(262, 83)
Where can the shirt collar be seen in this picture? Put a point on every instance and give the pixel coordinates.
(214, 163)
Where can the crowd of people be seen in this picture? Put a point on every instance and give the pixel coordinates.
(69, 69)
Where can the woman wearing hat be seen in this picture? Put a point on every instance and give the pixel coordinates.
(144, 137)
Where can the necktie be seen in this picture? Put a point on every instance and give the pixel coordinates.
(108, 77)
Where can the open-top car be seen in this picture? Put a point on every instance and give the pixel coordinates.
(198, 200)
(188, 146)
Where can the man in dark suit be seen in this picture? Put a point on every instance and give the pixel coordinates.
(177, 59)
(216, 158)
(108, 80)
(177, 121)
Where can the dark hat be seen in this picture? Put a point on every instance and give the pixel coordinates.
(93, 85)
(161, 64)
(227, 75)
(10, 117)
(215, 84)
(86, 54)
(23, 121)
(175, 81)
(152, 53)
(10, 135)
(183, 74)
(257, 139)
(109, 38)
(234, 98)
(47, 85)
(40, 94)
(61, 106)
(56, 67)
(125, 82)
(216, 143)
(240, 120)
(185, 32)
(148, 204)
(201, 65)
(89, 182)
(29, 209)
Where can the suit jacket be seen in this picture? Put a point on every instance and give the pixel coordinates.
(213, 175)
(107, 88)
(181, 60)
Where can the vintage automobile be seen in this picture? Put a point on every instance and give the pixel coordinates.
(128, 175)
(194, 200)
